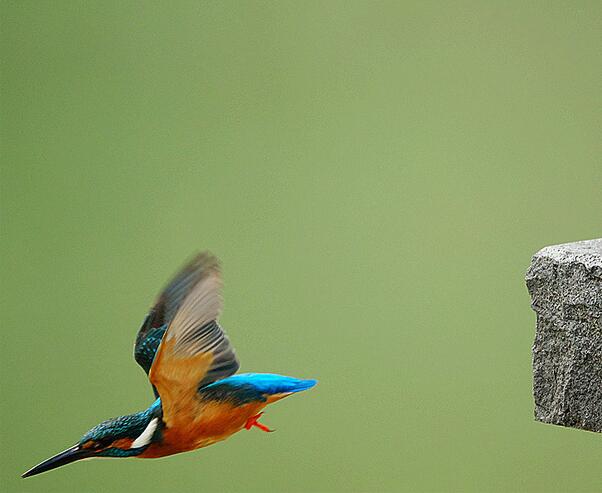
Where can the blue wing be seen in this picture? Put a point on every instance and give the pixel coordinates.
(147, 344)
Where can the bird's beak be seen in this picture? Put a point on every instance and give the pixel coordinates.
(66, 457)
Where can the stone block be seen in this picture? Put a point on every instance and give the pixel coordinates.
(565, 284)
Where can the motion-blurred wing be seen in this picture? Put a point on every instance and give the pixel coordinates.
(162, 313)
(194, 350)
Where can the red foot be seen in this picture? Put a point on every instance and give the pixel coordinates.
(253, 421)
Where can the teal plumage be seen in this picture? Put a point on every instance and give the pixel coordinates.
(131, 425)
(146, 348)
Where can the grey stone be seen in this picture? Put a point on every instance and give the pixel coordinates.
(565, 283)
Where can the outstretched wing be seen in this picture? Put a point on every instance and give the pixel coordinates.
(194, 350)
(162, 312)
(167, 304)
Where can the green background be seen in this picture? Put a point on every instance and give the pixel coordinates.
(375, 177)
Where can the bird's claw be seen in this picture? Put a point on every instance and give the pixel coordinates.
(254, 421)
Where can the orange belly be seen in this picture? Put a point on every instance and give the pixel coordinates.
(201, 427)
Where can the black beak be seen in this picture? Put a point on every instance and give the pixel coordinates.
(66, 457)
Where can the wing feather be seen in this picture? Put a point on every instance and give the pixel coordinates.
(194, 351)
(166, 306)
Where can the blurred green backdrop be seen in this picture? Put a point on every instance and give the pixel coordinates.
(374, 176)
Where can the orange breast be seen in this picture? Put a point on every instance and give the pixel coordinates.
(213, 422)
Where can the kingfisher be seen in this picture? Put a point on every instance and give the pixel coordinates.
(191, 366)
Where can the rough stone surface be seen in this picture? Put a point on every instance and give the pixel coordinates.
(565, 283)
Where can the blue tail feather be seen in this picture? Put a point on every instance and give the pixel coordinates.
(268, 383)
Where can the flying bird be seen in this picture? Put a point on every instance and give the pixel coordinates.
(191, 366)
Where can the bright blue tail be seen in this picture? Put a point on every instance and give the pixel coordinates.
(269, 383)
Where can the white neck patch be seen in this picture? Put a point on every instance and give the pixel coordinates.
(146, 436)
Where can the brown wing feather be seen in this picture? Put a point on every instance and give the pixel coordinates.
(194, 351)
(173, 294)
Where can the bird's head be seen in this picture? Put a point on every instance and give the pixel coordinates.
(126, 436)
